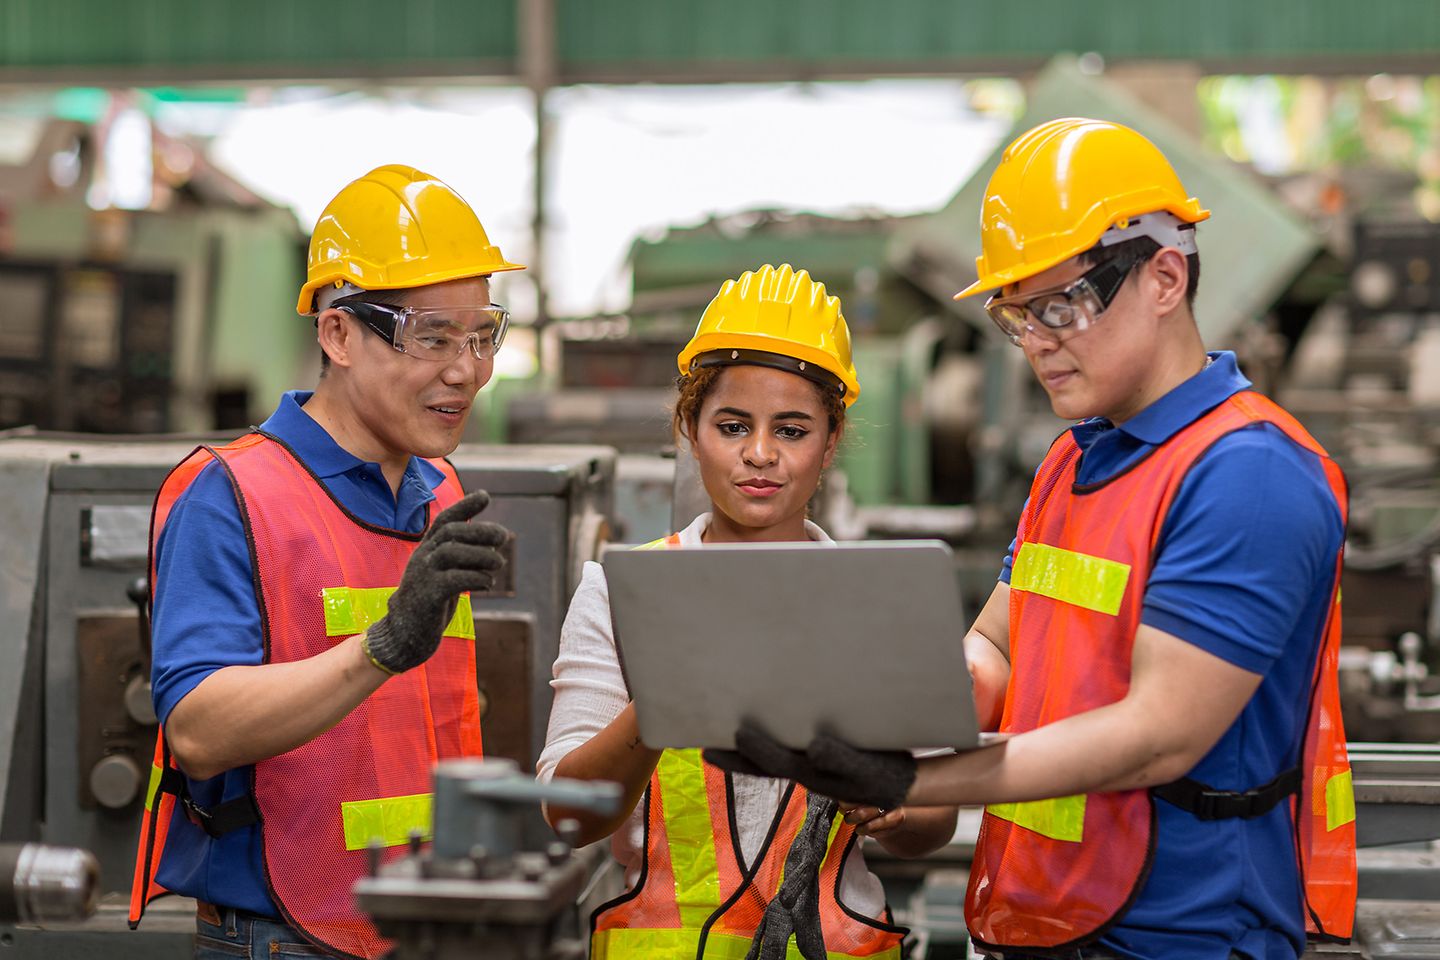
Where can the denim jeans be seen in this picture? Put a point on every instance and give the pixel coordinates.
(225, 934)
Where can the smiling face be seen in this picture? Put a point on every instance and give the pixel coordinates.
(385, 406)
(762, 438)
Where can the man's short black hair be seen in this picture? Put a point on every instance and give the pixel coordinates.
(389, 298)
(1140, 250)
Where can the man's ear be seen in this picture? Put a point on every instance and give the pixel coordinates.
(1168, 275)
(336, 334)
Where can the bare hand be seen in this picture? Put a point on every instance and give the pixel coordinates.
(873, 821)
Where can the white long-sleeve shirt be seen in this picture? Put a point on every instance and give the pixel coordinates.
(590, 693)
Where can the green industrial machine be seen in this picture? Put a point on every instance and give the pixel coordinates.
(1252, 250)
(132, 321)
(886, 452)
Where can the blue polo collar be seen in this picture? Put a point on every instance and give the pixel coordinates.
(1179, 408)
(326, 458)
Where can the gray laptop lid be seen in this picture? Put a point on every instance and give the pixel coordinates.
(861, 639)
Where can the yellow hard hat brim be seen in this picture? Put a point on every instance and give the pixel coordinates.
(721, 341)
(1193, 213)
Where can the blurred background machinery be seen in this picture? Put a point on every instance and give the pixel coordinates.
(142, 321)
(39, 883)
(1363, 378)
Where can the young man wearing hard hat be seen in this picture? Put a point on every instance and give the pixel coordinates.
(313, 643)
(1167, 622)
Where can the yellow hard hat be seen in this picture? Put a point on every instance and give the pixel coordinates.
(1060, 187)
(397, 227)
(776, 318)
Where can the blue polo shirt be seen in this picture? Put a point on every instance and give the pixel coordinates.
(1243, 570)
(207, 617)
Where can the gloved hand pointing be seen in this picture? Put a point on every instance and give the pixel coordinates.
(455, 555)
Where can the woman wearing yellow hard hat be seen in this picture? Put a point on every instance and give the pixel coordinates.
(763, 391)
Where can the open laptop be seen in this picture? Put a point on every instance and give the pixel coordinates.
(861, 639)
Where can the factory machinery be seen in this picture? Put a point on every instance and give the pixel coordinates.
(491, 884)
(494, 883)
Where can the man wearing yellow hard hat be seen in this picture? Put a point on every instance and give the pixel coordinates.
(1166, 626)
(313, 637)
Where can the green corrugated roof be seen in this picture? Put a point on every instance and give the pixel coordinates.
(258, 37)
(826, 246)
(675, 39)
(1250, 249)
(823, 31)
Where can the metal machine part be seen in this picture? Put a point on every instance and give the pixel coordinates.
(1397, 793)
(1397, 929)
(480, 890)
(1394, 267)
(39, 883)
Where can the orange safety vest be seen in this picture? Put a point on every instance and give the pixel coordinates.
(695, 899)
(321, 576)
(1058, 873)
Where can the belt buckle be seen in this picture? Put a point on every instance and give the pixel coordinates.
(1207, 805)
(199, 816)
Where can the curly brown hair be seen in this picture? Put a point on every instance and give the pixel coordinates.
(695, 387)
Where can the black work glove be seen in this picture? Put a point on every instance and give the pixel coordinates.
(796, 906)
(829, 766)
(455, 555)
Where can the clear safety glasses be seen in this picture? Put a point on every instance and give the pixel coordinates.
(1061, 310)
(437, 334)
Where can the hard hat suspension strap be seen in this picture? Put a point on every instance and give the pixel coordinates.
(778, 361)
(1161, 226)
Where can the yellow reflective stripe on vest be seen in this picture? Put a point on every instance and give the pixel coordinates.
(349, 610)
(621, 943)
(685, 806)
(660, 544)
(153, 788)
(1060, 819)
(1076, 578)
(1339, 800)
(388, 819)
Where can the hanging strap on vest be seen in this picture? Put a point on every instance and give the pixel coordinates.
(1207, 803)
(216, 821)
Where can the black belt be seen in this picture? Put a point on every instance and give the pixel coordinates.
(1207, 803)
